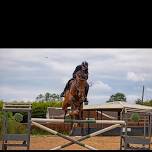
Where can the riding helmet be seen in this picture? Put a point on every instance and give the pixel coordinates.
(85, 63)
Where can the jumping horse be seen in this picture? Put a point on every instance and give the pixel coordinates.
(75, 96)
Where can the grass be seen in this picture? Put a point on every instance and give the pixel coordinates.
(37, 131)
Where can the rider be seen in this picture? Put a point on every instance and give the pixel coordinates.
(84, 67)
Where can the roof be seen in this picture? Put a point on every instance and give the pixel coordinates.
(104, 106)
(119, 105)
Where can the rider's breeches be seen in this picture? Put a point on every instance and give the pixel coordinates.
(67, 85)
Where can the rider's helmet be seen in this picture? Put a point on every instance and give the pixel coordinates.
(84, 64)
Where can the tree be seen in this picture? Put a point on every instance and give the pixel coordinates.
(135, 117)
(40, 97)
(139, 101)
(117, 97)
(55, 97)
(146, 102)
(48, 97)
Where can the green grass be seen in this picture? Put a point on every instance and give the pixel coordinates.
(37, 132)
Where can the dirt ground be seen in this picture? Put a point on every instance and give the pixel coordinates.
(96, 142)
(49, 142)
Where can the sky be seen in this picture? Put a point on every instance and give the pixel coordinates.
(25, 73)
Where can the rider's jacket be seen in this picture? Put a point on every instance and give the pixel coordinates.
(78, 68)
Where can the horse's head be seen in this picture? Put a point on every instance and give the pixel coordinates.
(81, 75)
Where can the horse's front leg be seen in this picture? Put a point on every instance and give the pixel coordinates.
(72, 99)
(65, 112)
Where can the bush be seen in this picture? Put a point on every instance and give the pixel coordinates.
(14, 127)
(135, 117)
(39, 109)
(1, 123)
(1, 104)
(146, 103)
(18, 117)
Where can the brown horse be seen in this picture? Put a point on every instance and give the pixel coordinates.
(75, 96)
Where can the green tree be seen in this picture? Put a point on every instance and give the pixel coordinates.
(40, 97)
(1, 104)
(117, 97)
(55, 97)
(139, 101)
(47, 96)
(135, 117)
(146, 103)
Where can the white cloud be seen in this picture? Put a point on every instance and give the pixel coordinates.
(131, 98)
(149, 89)
(61, 67)
(65, 79)
(99, 92)
(121, 61)
(100, 60)
(97, 99)
(16, 93)
(99, 86)
(21, 93)
(29, 67)
(136, 77)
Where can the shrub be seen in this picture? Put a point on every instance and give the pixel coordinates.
(14, 127)
(18, 117)
(15, 122)
(135, 117)
(39, 109)
(1, 104)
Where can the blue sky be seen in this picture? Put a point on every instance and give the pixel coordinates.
(25, 73)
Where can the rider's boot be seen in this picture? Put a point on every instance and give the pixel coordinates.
(86, 101)
(62, 94)
(66, 88)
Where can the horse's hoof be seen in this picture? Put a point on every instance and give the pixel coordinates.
(70, 114)
(76, 112)
(75, 125)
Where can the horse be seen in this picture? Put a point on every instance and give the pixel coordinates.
(75, 96)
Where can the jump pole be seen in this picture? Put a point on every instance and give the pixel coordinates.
(78, 121)
(117, 124)
(88, 136)
(63, 136)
